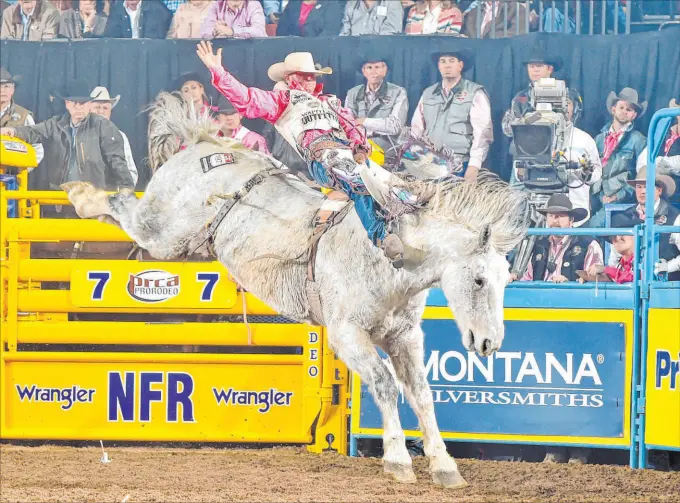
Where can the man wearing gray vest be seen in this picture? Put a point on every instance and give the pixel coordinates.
(380, 106)
(455, 114)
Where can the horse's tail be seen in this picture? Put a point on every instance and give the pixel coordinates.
(174, 123)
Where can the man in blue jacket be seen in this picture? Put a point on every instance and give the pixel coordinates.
(619, 146)
(138, 19)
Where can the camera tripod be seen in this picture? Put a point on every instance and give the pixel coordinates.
(526, 247)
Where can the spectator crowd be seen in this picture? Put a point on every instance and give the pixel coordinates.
(206, 19)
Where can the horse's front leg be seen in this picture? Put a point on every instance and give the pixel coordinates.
(354, 347)
(407, 355)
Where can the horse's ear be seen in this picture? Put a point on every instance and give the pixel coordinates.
(484, 239)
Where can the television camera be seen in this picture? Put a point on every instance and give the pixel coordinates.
(539, 159)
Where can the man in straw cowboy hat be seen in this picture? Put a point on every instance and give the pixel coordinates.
(664, 214)
(619, 146)
(323, 132)
(103, 104)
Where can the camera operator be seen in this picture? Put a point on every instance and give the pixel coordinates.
(579, 147)
(539, 66)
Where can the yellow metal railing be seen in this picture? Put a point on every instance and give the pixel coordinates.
(195, 380)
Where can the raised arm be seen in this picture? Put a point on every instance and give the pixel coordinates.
(251, 102)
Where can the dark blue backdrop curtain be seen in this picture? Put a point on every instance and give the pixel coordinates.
(138, 69)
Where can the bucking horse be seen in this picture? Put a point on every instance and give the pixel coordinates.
(267, 227)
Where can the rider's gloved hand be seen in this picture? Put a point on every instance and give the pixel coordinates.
(660, 267)
(361, 153)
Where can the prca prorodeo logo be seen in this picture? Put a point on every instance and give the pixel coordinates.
(153, 286)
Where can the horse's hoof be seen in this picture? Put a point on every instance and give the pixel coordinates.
(401, 473)
(69, 187)
(449, 480)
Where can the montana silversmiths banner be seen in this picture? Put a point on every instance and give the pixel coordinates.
(549, 378)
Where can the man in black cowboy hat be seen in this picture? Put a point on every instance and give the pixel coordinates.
(230, 127)
(455, 114)
(380, 106)
(557, 258)
(540, 65)
(11, 114)
(79, 146)
(619, 146)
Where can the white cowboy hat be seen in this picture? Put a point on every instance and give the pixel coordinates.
(100, 93)
(296, 62)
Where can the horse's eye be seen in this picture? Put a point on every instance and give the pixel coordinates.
(479, 282)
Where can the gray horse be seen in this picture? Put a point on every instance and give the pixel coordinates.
(458, 241)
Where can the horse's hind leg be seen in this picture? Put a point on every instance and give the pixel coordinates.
(355, 348)
(123, 209)
(405, 349)
(87, 200)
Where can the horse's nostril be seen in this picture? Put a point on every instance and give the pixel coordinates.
(486, 345)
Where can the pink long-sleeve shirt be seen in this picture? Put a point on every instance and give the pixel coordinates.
(247, 22)
(256, 103)
(250, 139)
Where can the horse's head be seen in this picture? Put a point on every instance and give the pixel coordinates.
(474, 285)
(463, 235)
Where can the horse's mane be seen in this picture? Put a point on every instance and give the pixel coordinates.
(490, 201)
(174, 123)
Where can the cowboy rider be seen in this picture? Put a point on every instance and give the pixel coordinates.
(324, 133)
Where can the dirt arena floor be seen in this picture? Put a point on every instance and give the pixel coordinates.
(57, 473)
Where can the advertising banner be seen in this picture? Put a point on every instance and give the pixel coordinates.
(179, 285)
(663, 379)
(147, 401)
(549, 378)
